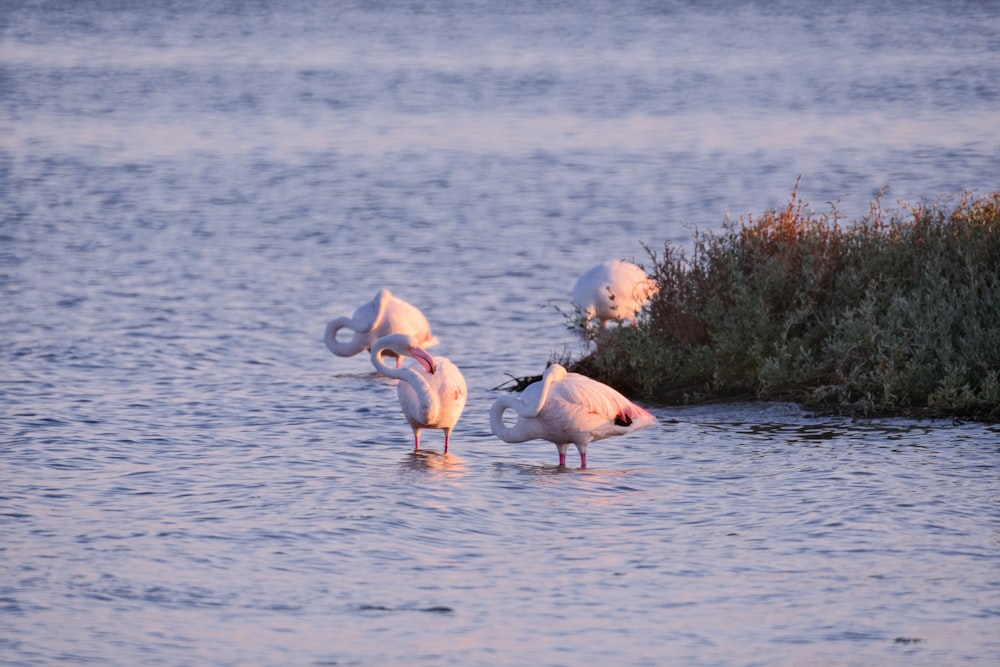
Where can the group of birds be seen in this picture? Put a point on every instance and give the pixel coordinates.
(564, 408)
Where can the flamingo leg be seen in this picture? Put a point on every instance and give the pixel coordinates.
(562, 454)
(447, 439)
(583, 459)
(416, 440)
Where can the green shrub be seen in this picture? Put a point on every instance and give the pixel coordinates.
(895, 313)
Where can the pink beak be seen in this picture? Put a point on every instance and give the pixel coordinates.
(426, 360)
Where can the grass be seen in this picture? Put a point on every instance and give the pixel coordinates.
(897, 313)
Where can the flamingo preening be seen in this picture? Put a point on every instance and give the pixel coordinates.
(567, 408)
(431, 394)
(383, 315)
(614, 290)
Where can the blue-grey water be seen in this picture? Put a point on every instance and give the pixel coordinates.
(190, 190)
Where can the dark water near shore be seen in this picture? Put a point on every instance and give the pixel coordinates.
(189, 191)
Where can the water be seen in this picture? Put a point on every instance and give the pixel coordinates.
(190, 191)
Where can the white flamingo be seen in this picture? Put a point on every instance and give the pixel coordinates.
(613, 291)
(567, 408)
(431, 394)
(383, 315)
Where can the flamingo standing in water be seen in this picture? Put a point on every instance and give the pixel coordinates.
(431, 394)
(566, 408)
(614, 290)
(383, 315)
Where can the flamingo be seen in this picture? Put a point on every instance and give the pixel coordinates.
(432, 394)
(614, 290)
(566, 408)
(383, 315)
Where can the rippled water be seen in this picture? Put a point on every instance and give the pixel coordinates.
(191, 191)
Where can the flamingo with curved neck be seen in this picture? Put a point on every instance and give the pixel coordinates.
(383, 315)
(432, 394)
(567, 408)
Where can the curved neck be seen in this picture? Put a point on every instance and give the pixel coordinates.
(364, 324)
(534, 398)
(410, 376)
(521, 431)
(497, 425)
(527, 405)
(345, 348)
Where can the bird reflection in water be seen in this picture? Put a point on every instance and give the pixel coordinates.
(428, 461)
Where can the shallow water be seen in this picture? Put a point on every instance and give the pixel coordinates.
(189, 477)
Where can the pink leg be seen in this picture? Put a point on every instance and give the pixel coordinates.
(583, 459)
(447, 438)
(416, 439)
(562, 455)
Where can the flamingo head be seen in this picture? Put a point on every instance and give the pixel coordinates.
(402, 345)
(423, 358)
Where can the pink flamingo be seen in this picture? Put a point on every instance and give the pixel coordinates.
(383, 315)
(614, 290)
(431, 394)
(567, 408)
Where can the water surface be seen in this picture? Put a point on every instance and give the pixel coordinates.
(190, 192)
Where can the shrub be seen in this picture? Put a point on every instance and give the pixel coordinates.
(896, 313)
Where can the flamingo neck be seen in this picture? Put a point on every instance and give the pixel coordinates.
(425, 395)
(531, 403)
(527, 406)
(345, 348)
(497, 425)
(524, 429)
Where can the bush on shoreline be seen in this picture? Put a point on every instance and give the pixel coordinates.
(895, 313)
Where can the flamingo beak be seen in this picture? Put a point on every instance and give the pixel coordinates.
(426, 360)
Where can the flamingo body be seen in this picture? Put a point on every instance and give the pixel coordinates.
(383, 315)
(567, 408)
(614, 290)
(431, 394)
